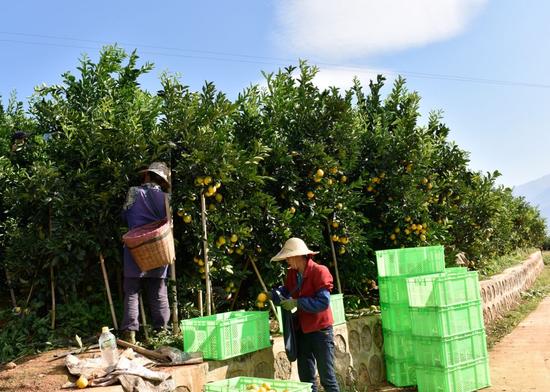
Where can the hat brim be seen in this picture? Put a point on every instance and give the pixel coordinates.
(157, 172)
(284, 255)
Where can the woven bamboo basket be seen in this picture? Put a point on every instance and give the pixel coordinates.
(151, 245)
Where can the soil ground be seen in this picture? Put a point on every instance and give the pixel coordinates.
(519, 363)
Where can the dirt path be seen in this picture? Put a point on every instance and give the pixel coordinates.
(521, 361)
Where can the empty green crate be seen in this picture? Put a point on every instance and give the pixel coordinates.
(451, 351)
(398, 345)
(449, 288)
(336, 305)
(462, 378)
(226, 335)
(243, 383)
(400, 372)
(410, 261)
(395, 317)
(393, 289)
(446, 321)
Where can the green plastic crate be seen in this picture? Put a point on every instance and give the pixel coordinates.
(336, 305)
(449, 288)
(226, 335)
(393, 289)
(398, 345)
(456, 270)
(451, 351)
(400, 372)
(410, 261)
(241, 384)
(462, 378)
(446, 321)
(395, 317)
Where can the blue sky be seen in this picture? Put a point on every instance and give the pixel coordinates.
(498, 109)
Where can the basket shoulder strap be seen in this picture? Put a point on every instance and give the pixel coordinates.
(149, 202)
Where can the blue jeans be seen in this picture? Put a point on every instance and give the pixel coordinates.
(317, 348)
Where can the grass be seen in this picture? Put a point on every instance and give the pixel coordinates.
(528, 303)
(499, 264)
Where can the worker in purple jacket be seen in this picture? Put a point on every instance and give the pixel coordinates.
(145, 204)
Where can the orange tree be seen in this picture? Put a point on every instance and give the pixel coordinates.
(99, 126)
(207, 159)
(397, 158)
(311, 134)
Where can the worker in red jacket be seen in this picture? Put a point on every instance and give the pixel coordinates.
(307, 288)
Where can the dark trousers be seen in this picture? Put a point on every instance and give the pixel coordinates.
(317, 348)
(157, 299)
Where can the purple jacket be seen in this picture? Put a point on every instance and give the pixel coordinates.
(144, 204)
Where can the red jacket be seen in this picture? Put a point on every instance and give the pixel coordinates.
(314, 278)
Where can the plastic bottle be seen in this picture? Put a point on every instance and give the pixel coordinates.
(107, 345)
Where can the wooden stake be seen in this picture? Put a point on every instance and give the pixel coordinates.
(106, 280)
(12, 293)
(265, 289)
(143, 318)
(201, 308)
(52, 281)
(205, 251)
(175, 316)
(334, 259)
(52, 284)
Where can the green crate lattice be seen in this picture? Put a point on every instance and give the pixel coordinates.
(410, 261)
(395, 317)
(400, 372)
(226, 335)
(462, 378)
(449, 288)
(398, 345)
(241, 383)
(451, 351)
(446, 321)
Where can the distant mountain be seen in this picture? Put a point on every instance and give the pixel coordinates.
(537, 192)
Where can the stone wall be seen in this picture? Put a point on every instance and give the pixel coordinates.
(502, 292)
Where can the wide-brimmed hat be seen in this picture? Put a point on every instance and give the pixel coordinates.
(160, 169)
(293, 247)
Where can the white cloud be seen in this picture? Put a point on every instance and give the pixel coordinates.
(357, 28)
(343, 77)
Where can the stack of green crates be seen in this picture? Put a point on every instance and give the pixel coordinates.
(395, 266)
(448, 336)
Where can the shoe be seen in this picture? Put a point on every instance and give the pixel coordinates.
(129, 336)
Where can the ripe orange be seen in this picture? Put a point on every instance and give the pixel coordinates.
(82, 382)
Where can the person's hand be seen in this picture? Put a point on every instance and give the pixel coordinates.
(289, 304)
